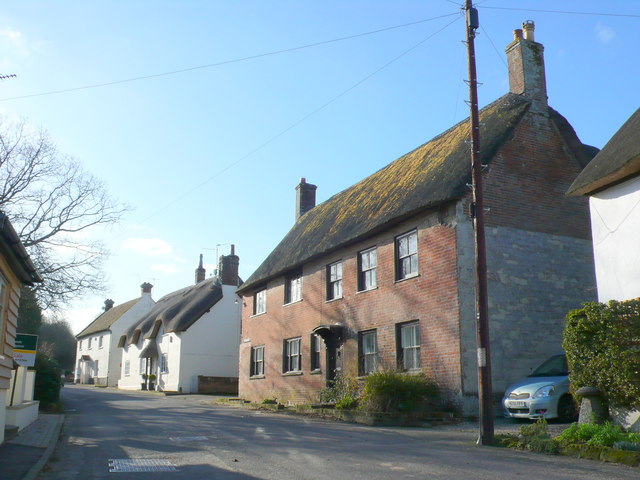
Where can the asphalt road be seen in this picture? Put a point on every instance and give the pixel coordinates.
(202, 441)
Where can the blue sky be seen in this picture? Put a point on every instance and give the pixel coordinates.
(211, 156)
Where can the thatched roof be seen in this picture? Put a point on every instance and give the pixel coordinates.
(618, 160)
(432, 174)
(104, 321)
(177, 311)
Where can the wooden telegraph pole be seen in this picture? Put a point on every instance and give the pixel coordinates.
(485, 394)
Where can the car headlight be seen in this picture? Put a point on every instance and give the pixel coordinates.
(544, 391)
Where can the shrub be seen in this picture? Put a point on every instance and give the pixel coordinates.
(343, 391)
(627, 445)
(399, 392)
(605, 435)
(47, 382)
(601, 342)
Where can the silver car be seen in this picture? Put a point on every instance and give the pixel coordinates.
(544, 393)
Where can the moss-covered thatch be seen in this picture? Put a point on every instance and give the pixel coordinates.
(430, 175)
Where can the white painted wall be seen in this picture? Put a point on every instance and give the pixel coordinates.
(210, 346)
(133, 380)
(109, 356)
(615, 225)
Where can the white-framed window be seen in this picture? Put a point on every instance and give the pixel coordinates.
(89, 342)
(260, 302)
(293, 287)
(315, 352)
(164, 363)
(368, 346)
(80, 345)
(257, 361)
(100, 341)
(292, 355)
(407, 255)
(367, 269)
(127, 368)
(143, 365)
(408, 340)
(96, 368)
(334, 281)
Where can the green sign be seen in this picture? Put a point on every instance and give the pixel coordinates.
(26, 342)
(24, 349)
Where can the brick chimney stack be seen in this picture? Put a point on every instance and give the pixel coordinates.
(228, 268)
(525, 58)
(200, 271)
(305, 198)
(108, 304)
(146, 287)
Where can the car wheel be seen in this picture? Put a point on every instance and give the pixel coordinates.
(567, 409)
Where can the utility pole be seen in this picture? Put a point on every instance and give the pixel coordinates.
(485, 393)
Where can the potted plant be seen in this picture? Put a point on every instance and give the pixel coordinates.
(144, 381)
(152, 382)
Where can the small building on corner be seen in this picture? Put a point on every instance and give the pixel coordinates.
(188, 342)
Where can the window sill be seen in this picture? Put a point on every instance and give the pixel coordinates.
(256, 377)
(292, 374)
(258, 314)
(333, 300)
(292, 303)
(317, 371)
(367, 290)
(415, 275)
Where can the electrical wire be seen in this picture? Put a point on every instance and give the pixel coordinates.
(296, 123)
(225, 62)
(495, 49)
(566, 12)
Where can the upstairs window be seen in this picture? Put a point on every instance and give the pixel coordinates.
(334, 281)
(293, 287)
(257, 361)
(89, 347)
(260, 302)
(292, 354)
(407, 255)
(367, 267)
(368, 348)
(100, 341)
(408, 345)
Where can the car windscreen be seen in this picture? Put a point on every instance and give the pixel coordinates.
(555, 366)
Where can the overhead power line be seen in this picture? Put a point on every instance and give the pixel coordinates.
(298, 122)
(226, 62)
(566, 12)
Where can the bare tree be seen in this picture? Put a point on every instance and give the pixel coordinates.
(53, 204)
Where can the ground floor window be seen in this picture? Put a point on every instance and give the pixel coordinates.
(127, 368)
(408, 341)
(257, 361)
(315, 352)
(164, 363)
(368, 352)
(291, 360)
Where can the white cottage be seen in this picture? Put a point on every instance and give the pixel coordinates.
(612, 182)
(97, 356)
(189, 341)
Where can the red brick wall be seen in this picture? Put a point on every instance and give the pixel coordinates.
(430, 298)
(526, 183)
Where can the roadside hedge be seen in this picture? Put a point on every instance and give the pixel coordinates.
(602, 343)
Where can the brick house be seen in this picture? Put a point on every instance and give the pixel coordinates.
(612, 183)
(381, 275)
(16, 270)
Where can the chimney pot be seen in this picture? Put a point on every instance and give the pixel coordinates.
(529, 27)
(108, 304)
(201, 272)
(146, 287)
(517, 34)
